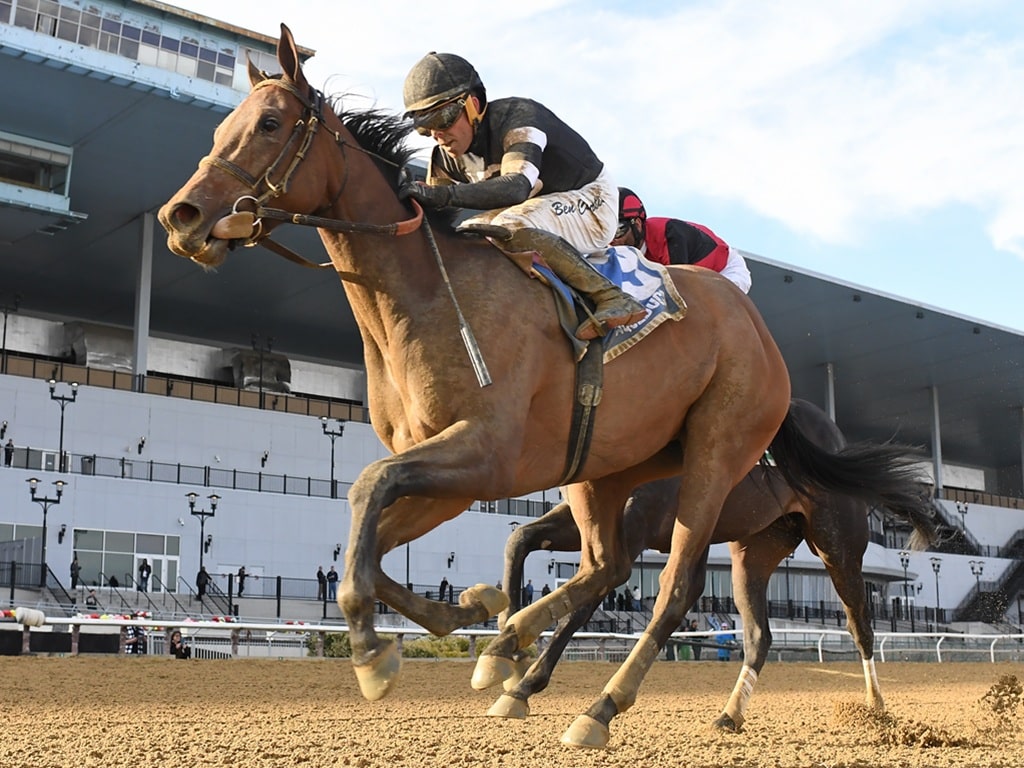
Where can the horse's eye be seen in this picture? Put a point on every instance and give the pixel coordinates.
(269, 124)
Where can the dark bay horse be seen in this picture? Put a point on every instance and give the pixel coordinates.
(763, 520)
(715, 383)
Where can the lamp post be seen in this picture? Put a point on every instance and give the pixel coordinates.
(7, 309)
(977, 567)
(905, 562)
(261, 348)
(789, 601)
(202, 514)
(333, 434)
(45, 502)
(961, 507)
(62, 401)
(936, 565)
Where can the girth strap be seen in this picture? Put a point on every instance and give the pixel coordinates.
(588, 391)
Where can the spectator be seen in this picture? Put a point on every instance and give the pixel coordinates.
(637, 600)
(528, 592)
(135, 643)
(202, 580)
(725, 642)
(145, 569)
(178, 648)
(113, 582)
(321, 583)
(697, 642)
(545, 591)
(76, 570)
(91, 600)
(332, 583)
(8, 452)
(442, 593)
(241, 579)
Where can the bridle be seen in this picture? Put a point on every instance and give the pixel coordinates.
(297, 146)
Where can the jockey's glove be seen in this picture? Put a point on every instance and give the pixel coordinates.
(429, 197)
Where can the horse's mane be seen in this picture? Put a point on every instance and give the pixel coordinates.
(383, 136)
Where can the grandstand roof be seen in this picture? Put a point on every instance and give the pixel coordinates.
(134, 146)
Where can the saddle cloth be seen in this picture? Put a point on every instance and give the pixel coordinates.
(644, 280)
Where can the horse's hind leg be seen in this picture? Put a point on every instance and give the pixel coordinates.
(753, 561)
(839, 533)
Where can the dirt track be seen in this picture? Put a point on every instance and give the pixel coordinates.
(107, 711)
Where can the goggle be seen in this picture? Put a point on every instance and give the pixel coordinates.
(622, 230)
(439, 118)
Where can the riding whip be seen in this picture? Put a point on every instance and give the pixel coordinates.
(476, 358)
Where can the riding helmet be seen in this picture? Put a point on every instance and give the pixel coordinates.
(630, 206)
(439, 77)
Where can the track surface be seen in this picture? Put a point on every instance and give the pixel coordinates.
(107, 711)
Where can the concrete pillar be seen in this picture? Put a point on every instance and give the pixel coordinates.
(936, 440)
(830, 390)
(143, 298)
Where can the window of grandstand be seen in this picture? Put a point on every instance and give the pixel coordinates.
(35, 164)
(140, 39)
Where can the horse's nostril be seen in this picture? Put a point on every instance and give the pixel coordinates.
(185, 214)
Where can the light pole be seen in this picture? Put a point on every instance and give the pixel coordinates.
(45, 502)
(7, 309)
(261, 348)
(334, 434)
(905, 562)
(961, 507)
(936, 565)
(202, 514)
(977, 566)
(789, 601)
(62, 401)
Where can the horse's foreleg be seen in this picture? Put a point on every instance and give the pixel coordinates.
(514, 703)
(408, 519)
(710, 469)
(603, 563)
(555, 531)
(444, 467)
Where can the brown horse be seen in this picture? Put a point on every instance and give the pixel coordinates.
(715, 384)
(763, 520)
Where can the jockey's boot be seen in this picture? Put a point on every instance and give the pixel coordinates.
(612, 307)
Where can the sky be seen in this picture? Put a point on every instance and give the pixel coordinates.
(876, 142)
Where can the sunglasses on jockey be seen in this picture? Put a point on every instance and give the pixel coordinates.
(444, 116)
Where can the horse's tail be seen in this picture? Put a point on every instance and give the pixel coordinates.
(881, 474)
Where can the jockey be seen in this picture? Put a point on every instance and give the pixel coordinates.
(672, 241)
(523, 169)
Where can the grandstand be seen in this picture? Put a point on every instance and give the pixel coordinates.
(248, 383)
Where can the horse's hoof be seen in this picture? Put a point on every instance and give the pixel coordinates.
(726, 723)
(586, 732)
(509, 707)
(494, 600)
(519, 669)
(491, 670)
(376, 677)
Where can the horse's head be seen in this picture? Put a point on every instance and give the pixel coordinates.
(256, 151)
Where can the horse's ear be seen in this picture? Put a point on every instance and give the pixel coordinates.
(256, 75)
(288, 57)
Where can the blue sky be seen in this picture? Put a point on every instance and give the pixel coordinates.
(879, 142)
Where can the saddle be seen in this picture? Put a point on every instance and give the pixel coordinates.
(644, 280)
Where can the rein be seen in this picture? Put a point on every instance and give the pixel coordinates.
(249, 224)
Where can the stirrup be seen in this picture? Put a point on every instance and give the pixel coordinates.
(598, 323)
(480, 229)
